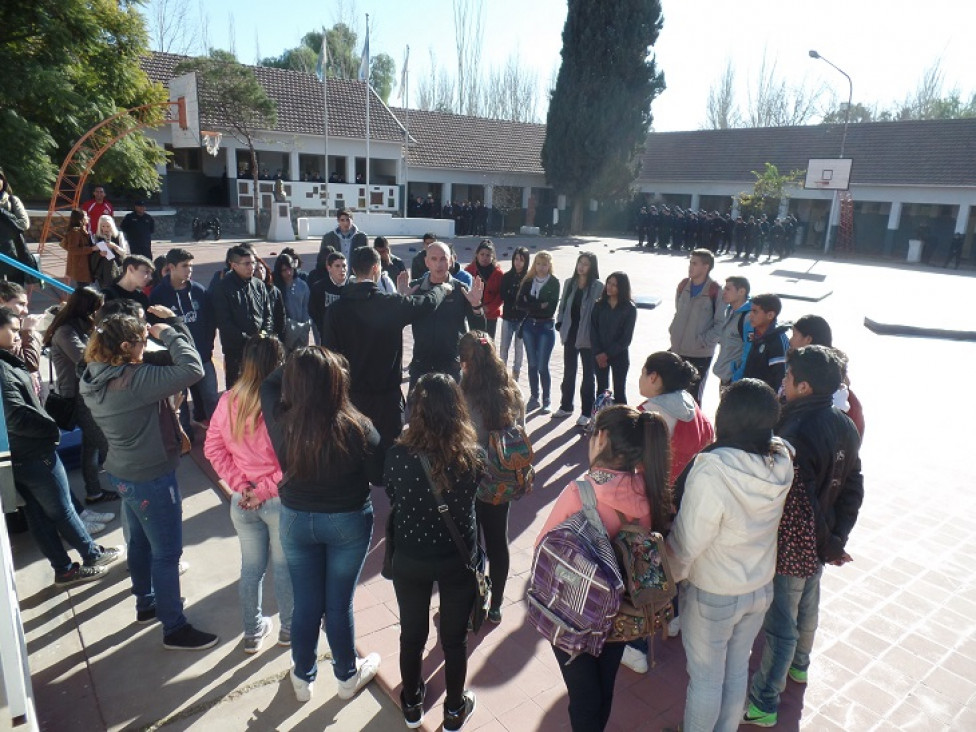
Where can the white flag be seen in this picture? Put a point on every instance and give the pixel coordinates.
(364, 63)
(403, 74)
(323, 59)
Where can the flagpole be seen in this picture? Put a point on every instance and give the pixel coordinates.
(406, 133)
(366, 67)
(325, 172)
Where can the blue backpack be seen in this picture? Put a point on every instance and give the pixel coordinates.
(575, 588)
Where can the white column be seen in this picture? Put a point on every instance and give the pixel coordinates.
(894, 221)
(489, 195)
(230, 146)
(526, 193)
(962, 218)
(445, 193)
(695, 201)
(350, 168)
(294, 172)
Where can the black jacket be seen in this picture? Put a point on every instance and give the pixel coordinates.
(612, 329)
(32, 431)
(366, 326)
(436, 336)
(828, 465)
(767, 356)
(511, 281)
(241, 308)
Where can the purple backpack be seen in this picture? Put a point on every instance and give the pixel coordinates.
(575, 588)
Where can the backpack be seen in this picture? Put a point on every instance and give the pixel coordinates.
(508, 468)
(713, 289)
(603, 400)
(575, 587)
(649, 583)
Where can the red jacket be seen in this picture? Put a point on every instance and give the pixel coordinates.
(492, 299)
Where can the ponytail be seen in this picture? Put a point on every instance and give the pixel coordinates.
(657, 467)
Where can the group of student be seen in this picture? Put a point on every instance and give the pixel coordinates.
(717, 492)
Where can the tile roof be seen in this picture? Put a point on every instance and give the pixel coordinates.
(918, 153)
(455, 141)
(300, 105)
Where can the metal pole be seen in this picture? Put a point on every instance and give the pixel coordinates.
(835, 203)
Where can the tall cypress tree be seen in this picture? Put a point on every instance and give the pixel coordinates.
(600, 111)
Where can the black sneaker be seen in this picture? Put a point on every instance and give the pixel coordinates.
(189, 638)
(144, 617)
(455, 720)
(77, 574)
(413, 714)
(102, 497)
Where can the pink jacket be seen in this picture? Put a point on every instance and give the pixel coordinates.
(238, 462)
(624, 493)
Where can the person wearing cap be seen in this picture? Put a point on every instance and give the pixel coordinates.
(138, 227)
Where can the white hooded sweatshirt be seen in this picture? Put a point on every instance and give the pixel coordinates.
(724, 537)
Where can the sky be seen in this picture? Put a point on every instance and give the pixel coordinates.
(885, 47)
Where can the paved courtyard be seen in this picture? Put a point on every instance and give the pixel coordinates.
(897, 644)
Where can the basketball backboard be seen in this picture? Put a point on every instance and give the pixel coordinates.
(187, 132)
(828, 174)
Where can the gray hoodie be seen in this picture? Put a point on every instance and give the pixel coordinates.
(131, 405)
(674, 406)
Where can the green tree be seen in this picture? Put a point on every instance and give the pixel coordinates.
(67, 65)
(770, 188)
(858, 113)
(230, 92)
(600, 111)
(345, 55)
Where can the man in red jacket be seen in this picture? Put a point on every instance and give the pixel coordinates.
(97, 207)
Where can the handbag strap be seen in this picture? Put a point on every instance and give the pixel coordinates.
(442, 509)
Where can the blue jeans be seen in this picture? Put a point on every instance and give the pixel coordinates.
(540, 338)
(717, 632)
(790, 627)
(43, 484)
(510, 339)
(325, 553)
(152, 514)
(260, 535)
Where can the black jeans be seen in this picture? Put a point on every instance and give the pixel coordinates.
(493, 523)
(620, 365)
(587, 386)
(589, 681)
(413, 581)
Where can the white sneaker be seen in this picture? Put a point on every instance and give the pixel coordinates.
(303, 689)
(635, 660)
(674, 627)
(562, 413)
(183, 566)
(95, 517)
(93, 528)
(583, 421)
(366, 669)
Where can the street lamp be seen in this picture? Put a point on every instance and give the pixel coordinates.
(831, 229)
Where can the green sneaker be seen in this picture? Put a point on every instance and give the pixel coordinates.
(798, 675)
(758, 718)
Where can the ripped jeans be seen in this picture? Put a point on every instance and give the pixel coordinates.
(152, 512)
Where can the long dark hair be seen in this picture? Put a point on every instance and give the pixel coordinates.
(639, 439)
(321, 426)
(486, 382)
(283, 260)
(524, 253)
(593, 273)
(441, 429)
(623, 288)
(78, 312)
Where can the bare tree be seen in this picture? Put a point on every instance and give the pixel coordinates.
(468, 39)
(171, 27)
(231, 34)
(203, 23)
(723, 112)
(436, 91)
(776, 104)
(510, 92)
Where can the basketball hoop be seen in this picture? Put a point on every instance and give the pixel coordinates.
(211, 141)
